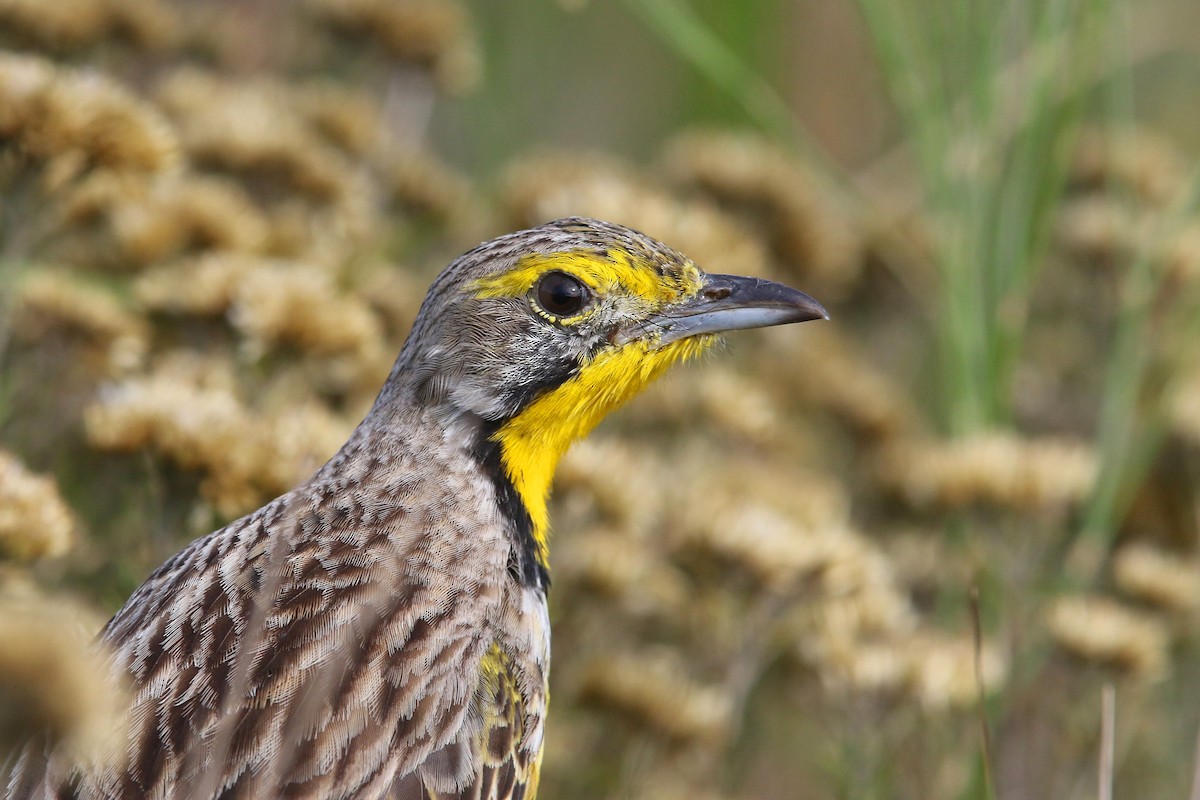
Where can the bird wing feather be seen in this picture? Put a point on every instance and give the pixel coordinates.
(358, 674)
(504, 768)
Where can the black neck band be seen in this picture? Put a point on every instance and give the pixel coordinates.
(523, 564)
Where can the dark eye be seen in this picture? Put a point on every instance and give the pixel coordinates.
(561, 295)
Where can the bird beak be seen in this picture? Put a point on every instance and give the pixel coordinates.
(728, 303)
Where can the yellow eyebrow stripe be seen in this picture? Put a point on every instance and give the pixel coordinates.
(603, 273)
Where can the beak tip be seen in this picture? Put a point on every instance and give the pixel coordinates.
(810, 309)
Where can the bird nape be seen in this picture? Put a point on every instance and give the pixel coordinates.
(381, 630)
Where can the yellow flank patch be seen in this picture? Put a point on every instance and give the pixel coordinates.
(532, 442)
(502, 707)
(616, 270)
(493, 667)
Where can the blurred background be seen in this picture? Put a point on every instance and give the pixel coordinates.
(943, 546)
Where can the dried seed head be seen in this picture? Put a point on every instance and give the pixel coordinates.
(1137, 160)
(431, 33)
(623, 569)
(296, 441)
(52, 301)
(770, 546)
(348, 119)
(72, 25)
(252, 130)
(60, 26)
(1097, 228)
(741, 405)
(34, 520)
(423, 185)
(853, 641)
(999, 469)
(942, 670)
(129, 222)
(53, 678)
(1183, 409)
(922, 561)
(393, 292)
(684, 782)
(271, 302)
(205, 286)
(153, 25)
(1181, 258)
(1166, 579)
(1103, 631)
(767, 188)
(199, 428)
(552, 186)
(852, 665)
(281, 302)
(1102, 228)
(655, 689)
(318, 200)
(47, 112)
(618, 483)
(828, 371)
(783, 530)
(936, 670)
(859, 600)
(187, 412)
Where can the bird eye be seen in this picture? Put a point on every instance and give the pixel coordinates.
(561, 295)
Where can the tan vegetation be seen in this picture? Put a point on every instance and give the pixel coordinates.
(762, 569)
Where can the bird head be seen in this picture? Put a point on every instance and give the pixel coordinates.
(576, 301)
(539, 334)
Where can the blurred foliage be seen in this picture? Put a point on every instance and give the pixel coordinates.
(217, 220)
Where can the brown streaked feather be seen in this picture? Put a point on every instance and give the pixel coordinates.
(326, 646)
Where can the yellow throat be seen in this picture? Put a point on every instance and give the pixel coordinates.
(533, 441)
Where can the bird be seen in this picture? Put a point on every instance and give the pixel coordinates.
(381, 630)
